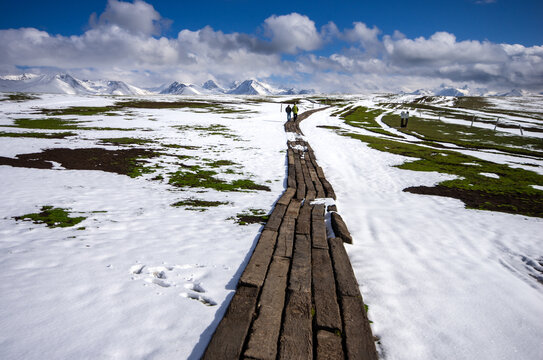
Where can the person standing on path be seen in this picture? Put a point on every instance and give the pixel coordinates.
(402, 116)
(406, 118)
(288, 110)
(295, 111)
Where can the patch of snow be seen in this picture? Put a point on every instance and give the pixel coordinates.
(490, 175)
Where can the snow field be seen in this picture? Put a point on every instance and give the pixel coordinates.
(441, 281)
(143, 279)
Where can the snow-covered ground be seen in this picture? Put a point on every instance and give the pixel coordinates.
(69, 294)
(441, 281)
(148, 280)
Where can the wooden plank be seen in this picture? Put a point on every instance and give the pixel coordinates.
(303, 225)
(307, 178)
(285, 240)
(340, 229)
(276, 217)
(329, 346)
(287, 196)
(300, 272)
(300, 183)
(229, 337)
(318, 228)
(327, 315)
(311, 195)
(264, 333)
(318, 211)
(293, 208)
(328, 188)
(255, 272)
(345, 279)
(291, 178)
(296, 340)
(320, 173)
(290, 155)
(357, 331)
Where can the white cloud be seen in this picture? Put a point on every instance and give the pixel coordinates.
(292, 33)
(363, 35)
(138, 17)
(125, 43)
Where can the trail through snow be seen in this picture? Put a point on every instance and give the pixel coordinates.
(441, 281)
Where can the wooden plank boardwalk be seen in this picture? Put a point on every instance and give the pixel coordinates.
(298, 297)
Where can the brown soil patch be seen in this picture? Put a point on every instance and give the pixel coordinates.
(531, 206)
(116, 161)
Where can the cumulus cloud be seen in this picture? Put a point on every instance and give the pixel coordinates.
(124, 42)
(292, 33)
(367, 38)
(138, 17)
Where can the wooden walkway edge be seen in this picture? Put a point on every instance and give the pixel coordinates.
(298, 297)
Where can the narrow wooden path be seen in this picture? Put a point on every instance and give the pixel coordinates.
(298, 297)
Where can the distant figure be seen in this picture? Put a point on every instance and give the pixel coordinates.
(405, 118)
(295, 111)
(288, 110)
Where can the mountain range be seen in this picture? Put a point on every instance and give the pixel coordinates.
(67, 84)
(63, 83)
(465, 90)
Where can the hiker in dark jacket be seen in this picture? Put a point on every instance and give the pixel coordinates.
(288, 110)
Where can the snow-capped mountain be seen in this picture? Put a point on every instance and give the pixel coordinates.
(467, 91)
(253, 87)
(177, 88)
(65, 84)
(212, 86)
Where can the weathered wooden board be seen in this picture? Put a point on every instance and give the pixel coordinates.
(255, 272)
(345, 279)
(329, 346)
(285, 240)
(276, 217)
(300, 272)
(287, 196)
(264, 333)
(229, 337)
(293, 208)
(303, 225)
(340, 228)
(327, 315)
(296, 340)
(358, 337)
(318, 228)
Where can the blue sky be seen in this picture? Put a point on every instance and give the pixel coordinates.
(371, 42)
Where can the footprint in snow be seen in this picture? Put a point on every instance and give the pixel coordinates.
(203, 299)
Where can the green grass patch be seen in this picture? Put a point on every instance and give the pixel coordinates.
(186, 147)
(468, 137)
(126, 141)
(219, 163)
(19, 97)
(36, 135)
(511, 192)
(56, 124)
(251, 216)
(136, 104)
(80, 111)
(198, 205)
(364, 118)
(52, 217)
(195, 176)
